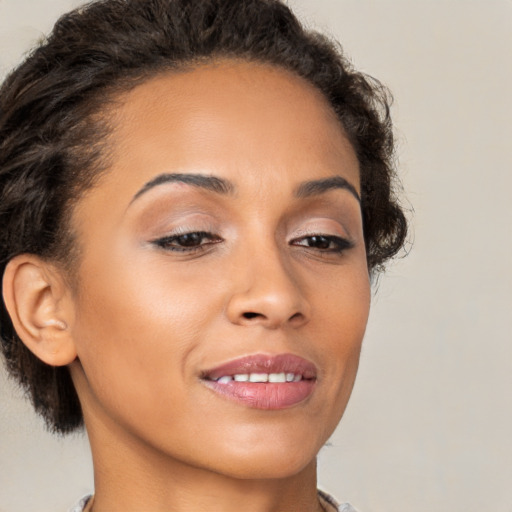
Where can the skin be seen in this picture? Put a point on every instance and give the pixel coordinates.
(147, 320)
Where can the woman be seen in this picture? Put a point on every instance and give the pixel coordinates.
(194, 197)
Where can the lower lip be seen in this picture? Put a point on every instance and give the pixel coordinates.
(261, 395)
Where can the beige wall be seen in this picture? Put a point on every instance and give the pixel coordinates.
(429, 427)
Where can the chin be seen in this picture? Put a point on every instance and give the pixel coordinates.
(270, 458)
(269, 469)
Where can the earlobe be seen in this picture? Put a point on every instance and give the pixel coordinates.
(39, 304)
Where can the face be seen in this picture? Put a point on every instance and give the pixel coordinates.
(223, 249)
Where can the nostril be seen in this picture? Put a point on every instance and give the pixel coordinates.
(249, 315)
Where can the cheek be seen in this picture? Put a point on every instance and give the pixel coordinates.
(343, 303)
(340, 322)
(133, 299)
(135, 330)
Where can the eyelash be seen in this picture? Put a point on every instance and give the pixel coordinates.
(337, 244)
(167, 241)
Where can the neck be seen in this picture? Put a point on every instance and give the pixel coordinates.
(131, 476)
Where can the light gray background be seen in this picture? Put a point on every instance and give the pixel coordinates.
(430, 423)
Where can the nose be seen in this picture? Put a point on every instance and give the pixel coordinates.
(266, 292)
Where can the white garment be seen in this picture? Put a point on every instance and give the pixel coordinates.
(327, 499)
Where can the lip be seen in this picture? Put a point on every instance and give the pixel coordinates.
(264, 395)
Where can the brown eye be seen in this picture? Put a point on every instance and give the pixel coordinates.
(324, 243)
(190, 239)
(187, 241)
(319, 242)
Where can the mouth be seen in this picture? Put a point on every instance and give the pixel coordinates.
(262, 381)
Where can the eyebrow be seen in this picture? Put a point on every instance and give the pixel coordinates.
(204, 181)
(317, 187)
(225, 187)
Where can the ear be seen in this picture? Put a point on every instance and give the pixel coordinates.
(40, 305)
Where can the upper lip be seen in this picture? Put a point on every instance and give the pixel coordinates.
(263, 363)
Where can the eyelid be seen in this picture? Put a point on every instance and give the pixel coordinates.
(322, 227)
(337, 238)
(166, 218)
(165, 241)
(183, 226)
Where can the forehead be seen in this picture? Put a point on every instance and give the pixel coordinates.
(235, 114)
(259, 127)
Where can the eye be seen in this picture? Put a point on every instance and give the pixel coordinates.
(187, 242)
(324, 243)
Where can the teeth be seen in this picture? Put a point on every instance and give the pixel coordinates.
(277, 377)
(260, 377)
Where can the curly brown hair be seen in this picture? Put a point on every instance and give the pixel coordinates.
(52, 134)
